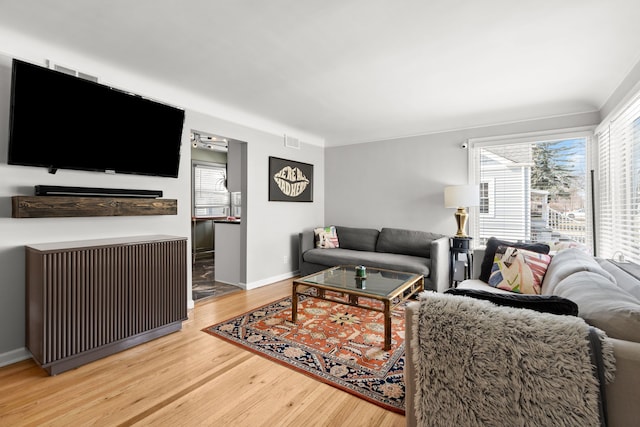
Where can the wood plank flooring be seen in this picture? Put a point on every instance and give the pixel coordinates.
(188, 378)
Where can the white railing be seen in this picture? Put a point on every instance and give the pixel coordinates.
(553, 226)
(574, 229)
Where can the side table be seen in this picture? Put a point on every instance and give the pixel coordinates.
(460, 245)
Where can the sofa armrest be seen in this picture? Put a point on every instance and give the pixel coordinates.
(305, 242)
(440, 264)
(478, 256)
(622, 394)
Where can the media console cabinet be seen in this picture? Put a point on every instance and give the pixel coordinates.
(90, 299)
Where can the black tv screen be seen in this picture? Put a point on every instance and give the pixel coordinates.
(59, 121)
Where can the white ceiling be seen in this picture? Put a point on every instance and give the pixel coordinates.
(359, 70)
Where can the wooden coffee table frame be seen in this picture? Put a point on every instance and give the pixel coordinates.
(404, 291)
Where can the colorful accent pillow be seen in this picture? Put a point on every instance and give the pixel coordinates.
(326, 237)
(490, 253)
(518, 270)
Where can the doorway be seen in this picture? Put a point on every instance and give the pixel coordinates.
(214, 205)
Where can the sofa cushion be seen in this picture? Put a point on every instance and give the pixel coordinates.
(623, 279)
(543, 303)
(518, 270)
(603, 304)
(479, 285)
(406, 242)
(559, 246)
(490, 252)
(568, 262)
(326, 237)
(341, 256)
(359, 239)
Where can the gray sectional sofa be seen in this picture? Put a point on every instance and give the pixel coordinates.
(607, 298)
(398, 249)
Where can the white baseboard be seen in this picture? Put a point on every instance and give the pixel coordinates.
(270, 280)
(263, 282)
(239, 285)
(14, 356)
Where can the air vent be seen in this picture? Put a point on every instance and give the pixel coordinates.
(71, 71)
(291, 142)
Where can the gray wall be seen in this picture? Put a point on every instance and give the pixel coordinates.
(16, 233)
(386, 183)
(271, 228)
(400, 182)
(208, 155)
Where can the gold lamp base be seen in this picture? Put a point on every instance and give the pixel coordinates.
(461, 219)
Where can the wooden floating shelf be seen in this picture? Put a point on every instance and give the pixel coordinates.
(60, 207)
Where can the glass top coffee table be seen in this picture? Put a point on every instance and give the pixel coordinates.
(387, 286)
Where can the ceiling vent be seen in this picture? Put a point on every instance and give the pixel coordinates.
(70, 71)
(291, 142)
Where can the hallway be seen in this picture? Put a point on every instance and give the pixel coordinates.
(204, 284)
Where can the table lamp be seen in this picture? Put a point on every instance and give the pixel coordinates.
(461, 196)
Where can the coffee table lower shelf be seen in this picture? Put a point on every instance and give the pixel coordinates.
(390, 301)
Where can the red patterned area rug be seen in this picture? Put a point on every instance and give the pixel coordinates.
(334, 343)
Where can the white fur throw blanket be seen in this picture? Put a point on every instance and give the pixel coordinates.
(478, 364)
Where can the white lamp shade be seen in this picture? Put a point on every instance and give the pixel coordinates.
(460, 196)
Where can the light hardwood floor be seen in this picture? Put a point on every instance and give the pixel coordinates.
(188, 378)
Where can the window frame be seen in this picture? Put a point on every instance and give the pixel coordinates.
(475, 144)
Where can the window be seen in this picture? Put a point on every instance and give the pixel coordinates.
(486, 197)
(532, 188)
(210, 195)
(618, 179)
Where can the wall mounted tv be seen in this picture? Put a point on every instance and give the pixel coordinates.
(60, 121)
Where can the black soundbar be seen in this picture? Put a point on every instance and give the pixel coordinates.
(57, 190)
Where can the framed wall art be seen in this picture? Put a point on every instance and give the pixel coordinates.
(290, 181)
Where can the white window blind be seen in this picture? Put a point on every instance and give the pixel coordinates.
(618, 173)
(210, 195)
(531, 188)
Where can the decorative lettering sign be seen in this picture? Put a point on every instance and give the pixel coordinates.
(290, 181)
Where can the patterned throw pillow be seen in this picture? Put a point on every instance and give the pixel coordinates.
(518, 270)
(490, 253)
(326, 237)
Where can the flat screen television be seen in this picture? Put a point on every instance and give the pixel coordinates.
(59, 121)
